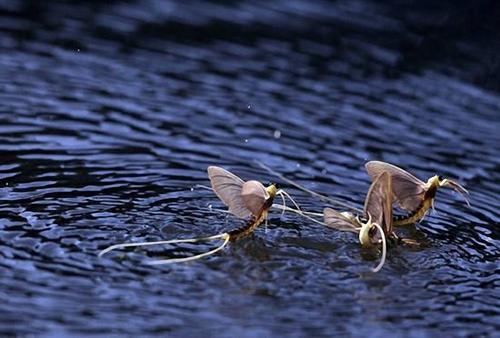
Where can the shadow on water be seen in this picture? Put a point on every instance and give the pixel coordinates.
(110, 114)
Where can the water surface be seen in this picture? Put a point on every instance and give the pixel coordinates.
(111, 113)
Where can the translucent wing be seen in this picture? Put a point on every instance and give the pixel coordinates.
(378, 203)
(254, 196)
(336, 220)
(228, 187)
(408, 190)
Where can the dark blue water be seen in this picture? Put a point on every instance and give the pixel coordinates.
(110, 114)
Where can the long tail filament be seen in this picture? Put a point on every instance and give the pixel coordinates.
(283, 192)
(298, 186)
(280, 192)
(224, 236)
(384, 249)
(201, 186)
(299, 212)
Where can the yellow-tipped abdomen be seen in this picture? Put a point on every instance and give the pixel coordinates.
(364, 234)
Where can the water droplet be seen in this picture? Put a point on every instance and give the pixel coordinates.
(277, 134)
(249, 106)
(246, 140)
(192, 189)
(298, 165)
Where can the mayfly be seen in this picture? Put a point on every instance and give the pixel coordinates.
(410, 193)
(246, 200)
(377, 223)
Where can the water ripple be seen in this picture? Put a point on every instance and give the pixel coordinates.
(110, 114)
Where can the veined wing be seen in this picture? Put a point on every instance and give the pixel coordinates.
(336, 220)
(228, 187)
(408, 190)
(254, 196)
(378, 203)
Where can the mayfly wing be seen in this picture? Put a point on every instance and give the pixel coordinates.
(378, 202)
(408, 190)
(254, 196)
(228, 187)
(336, 220)
(388, 201)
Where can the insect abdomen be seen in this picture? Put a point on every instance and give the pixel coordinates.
(247, 228)
(415, 216)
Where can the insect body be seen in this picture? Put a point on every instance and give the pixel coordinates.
(377, 213)
(412, 194)
(248, 200)
(244, 199)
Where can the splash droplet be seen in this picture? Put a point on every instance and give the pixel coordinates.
(277, 134)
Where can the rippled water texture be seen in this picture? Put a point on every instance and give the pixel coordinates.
(110, 113)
